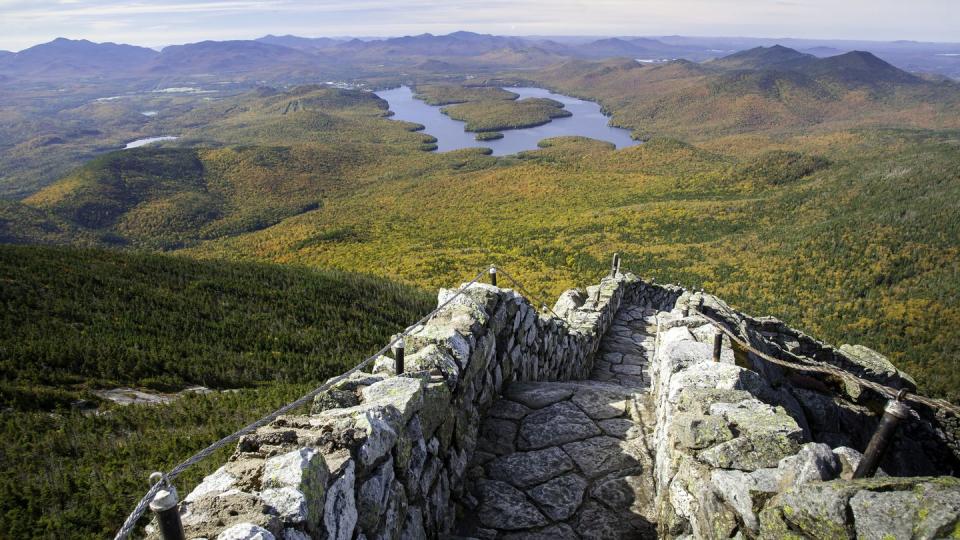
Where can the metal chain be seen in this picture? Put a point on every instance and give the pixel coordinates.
(128, 526)
(891, 393)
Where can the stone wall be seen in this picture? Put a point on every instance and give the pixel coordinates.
(744, 449)
(741, 447)
(382, 456)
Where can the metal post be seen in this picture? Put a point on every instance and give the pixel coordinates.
(493, 276)
(717, 345)
(894, 412)
(164, 505)
(398, 350)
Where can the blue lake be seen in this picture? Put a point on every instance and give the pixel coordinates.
(587, 121)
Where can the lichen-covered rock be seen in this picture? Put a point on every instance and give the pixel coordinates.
(815, 462)
(289, 504)
(432, 358)
(700, 431)
(245, 531)
(746, 492)
(382, 426)
(849, 461)
(405, 394)
(866, 508)
(298, 482)
(217, 482)
(569, 301)
(340, 511)
(373, 497)
(876, 366)
(766, 435)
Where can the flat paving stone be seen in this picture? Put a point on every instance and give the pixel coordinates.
(497, 436)
(560, 531)
(600, 404)
(510, 410)
(525, 469)
(628, 494)
(503, 506)
(602, 455)
(561, 497)
(554, 425)
(537, 395)
(621, 428)
(597, 522)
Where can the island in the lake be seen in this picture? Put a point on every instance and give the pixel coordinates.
(497, 115)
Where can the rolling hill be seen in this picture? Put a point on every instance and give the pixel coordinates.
(278, 154)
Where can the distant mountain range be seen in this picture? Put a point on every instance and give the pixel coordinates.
(75, 58)
(276, 55)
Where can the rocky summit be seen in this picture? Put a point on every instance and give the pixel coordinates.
(609, 417)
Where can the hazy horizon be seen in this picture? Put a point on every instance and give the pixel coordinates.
(168, 22)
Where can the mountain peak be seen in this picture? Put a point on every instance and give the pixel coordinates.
(859, 67)
(776, 56)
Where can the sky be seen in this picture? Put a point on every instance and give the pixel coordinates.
(155, 23)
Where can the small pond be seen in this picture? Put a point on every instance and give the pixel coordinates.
(149, 140)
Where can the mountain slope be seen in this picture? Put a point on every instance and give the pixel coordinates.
(704, 101)
(858, 67)
(79, 321)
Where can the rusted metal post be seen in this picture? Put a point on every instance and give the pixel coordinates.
(493, 276)
(893, 414)
(717, 345)
(164, 505)
(398, 350)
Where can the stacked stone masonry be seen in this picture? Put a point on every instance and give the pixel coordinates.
(609, 421)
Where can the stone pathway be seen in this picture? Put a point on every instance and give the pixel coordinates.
(570, 460)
